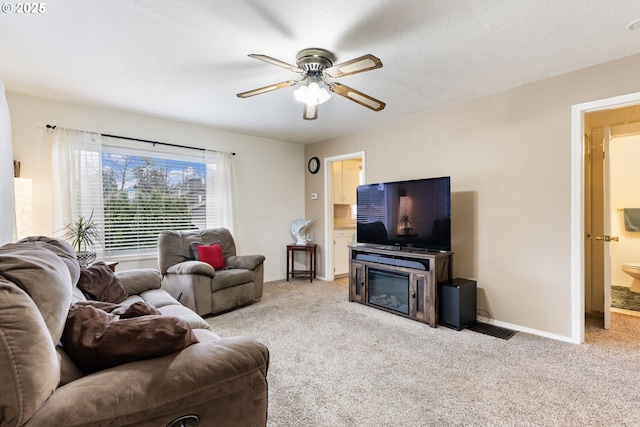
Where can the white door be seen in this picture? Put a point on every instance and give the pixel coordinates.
(588, 221)
(607, 238)
(607, 230)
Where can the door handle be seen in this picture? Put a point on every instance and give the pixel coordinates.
(607, 238)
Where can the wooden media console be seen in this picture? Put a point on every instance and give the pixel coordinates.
(403, 282)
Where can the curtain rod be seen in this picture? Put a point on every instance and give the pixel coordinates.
(166, 144)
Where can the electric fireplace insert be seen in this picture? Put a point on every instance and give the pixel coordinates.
(389, 289)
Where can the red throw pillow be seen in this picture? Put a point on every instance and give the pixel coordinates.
(212, 255)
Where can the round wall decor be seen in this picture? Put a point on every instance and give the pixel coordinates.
(314, 165)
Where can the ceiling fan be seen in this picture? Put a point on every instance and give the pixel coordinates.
(315, 66)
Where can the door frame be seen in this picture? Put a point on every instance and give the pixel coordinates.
(328, 206)
(578, 189)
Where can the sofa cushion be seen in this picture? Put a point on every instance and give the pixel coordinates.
(99, 283)
(69, 371)
(159, 298)
(29, 370)
(59, 247)
(96, 339)
(168, 306)
(178, 310)
(44, 276)
(229, 278)
(35, 289)
(248, 262)
(140, 280)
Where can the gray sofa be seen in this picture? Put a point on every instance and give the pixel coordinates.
(198, 285)
(219, 381)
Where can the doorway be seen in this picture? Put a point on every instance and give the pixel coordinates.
(579, 198)
(612, 198)
(337, 203)
(625, 221)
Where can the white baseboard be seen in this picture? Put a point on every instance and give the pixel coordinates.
(527, 330)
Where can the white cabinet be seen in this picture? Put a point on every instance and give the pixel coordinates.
(341, 241)
(346, 177)
(338, 196)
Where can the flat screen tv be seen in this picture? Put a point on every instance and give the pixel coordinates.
(412, 214)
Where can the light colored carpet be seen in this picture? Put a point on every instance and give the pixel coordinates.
(336, 363)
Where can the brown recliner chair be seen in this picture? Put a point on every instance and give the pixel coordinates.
(200, 286)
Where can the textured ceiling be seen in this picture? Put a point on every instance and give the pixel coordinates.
(186, 61)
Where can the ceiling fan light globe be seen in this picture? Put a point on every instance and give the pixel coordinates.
(320, 94)
(301, 94)
(324, 96)
(312, 94)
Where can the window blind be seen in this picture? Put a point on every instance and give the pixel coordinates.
(371, 204)
(143, 195)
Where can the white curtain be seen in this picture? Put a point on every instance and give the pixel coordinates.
(7, 202)
(220, 190)
(76, 168)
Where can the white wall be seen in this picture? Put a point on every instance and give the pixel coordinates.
(269, 173)
(509, 158)
(625, 193)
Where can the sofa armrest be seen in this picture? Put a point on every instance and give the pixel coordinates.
(192, 267)
(137, 281)
(221, 380)
(249, 262)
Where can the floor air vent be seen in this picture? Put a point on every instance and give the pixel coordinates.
(492, 330)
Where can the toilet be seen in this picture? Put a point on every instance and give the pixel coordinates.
(633, 270)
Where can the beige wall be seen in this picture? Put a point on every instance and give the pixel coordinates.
(509, 158)
(269, 173)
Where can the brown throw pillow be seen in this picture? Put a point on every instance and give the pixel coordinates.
(99, 283)
(137, 309)
(96, 339)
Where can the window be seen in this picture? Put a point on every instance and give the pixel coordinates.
(144, 195)
(133, 191)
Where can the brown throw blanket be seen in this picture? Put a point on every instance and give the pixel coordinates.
(100, 335)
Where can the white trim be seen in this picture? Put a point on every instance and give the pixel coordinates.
(577, 204)
(519, 328)
(328, 212)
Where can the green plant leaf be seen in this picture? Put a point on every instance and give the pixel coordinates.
(82, 233)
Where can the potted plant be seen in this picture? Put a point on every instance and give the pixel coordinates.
(405, 222)
(82, 234)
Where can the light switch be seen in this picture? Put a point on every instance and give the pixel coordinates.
(314, 196)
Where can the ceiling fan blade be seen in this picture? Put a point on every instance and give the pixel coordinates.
(277, 62)
(266, 89)
(310, 112)
(358, 65)
(356, 96)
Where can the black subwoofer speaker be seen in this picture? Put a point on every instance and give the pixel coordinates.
(457, 303)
